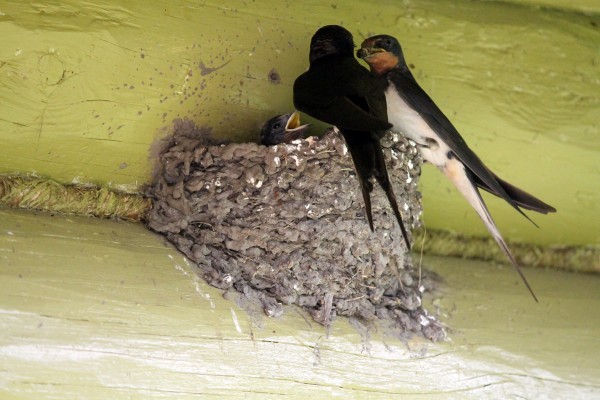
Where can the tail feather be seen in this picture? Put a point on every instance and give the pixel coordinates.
(465, 183)
(366, 187)
(517, 196)
(364, 164)
(384, 181)
(369, 161)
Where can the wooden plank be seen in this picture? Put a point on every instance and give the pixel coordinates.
(103, 309)
(87, 87)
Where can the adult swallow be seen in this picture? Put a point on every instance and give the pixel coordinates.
(336, 89)
(414, 114)
(282, 128)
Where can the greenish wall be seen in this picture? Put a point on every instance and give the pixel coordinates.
(87, 87)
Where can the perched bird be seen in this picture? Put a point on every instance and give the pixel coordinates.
(282, 128)
(414, 114)
(336, 89)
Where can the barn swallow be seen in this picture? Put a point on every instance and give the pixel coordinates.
(336, 89)
(414, 114)
(282, 128)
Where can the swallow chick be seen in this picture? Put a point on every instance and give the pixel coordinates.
(336, 89)
(414, 114)
(283, 128)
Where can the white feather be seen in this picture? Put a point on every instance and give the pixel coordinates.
(409, 123)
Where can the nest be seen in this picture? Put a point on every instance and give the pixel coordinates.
(285, 225)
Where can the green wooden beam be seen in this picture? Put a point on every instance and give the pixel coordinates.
(103, 309)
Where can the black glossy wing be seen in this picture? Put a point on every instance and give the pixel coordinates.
(519, 196)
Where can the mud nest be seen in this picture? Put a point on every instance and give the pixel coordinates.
(285, 225)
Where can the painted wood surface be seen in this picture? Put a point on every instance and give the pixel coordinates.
(87, 87)
(99, 309)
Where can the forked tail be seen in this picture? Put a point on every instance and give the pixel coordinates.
(456, 172)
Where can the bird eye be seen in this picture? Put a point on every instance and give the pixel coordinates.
(276, 125)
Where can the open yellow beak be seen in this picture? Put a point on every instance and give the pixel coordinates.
(294, 122)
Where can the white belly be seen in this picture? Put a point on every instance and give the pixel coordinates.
(408, 122)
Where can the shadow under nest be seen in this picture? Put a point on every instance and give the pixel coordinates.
(285, 225)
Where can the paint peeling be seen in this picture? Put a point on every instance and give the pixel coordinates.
(236, 323)
(204, 70)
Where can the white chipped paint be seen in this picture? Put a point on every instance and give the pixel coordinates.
(451, 370)
(195, 279)
(440, 370)
(236, 323)
(40, 352)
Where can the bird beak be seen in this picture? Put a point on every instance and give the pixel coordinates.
(367, 50)
(294, 122)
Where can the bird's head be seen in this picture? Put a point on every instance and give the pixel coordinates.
(331, 40)
(382, 53)
(282, 128)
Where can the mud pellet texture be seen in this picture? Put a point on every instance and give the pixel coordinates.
(286, 225)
